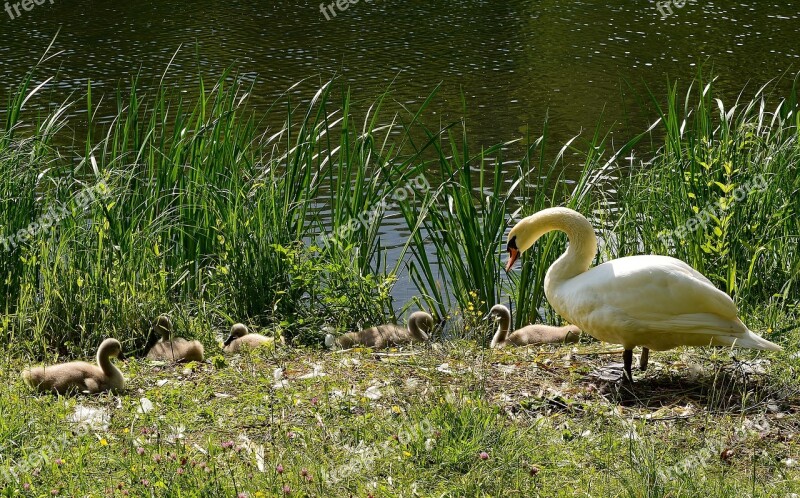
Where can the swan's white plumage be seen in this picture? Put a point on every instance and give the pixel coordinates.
(656, 302)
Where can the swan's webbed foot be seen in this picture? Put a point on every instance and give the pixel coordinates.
(643, 359)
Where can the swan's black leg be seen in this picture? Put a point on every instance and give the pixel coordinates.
(643, 359)
(627, 358)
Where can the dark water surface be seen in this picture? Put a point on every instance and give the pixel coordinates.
(514, 61)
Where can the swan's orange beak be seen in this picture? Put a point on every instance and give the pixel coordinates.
(513, 254)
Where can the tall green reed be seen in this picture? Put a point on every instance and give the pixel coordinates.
(465, 220)
(206, 216)
(721, 193)
(212, 218)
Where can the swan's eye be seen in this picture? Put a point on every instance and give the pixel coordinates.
(512, 244)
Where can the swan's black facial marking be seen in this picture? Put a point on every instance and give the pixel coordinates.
(512, 244)
(229, 340)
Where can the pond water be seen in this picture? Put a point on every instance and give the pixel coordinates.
(515, 61)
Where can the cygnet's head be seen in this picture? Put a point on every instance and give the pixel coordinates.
(111, 348)
(163, 326)
(424, 323)
(238, 330)
(498, 312)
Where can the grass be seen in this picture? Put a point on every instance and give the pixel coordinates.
(201, 211)
(415, 423)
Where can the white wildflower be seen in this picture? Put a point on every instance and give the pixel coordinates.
(176, 433)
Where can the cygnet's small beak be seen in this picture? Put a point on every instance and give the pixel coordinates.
(121, 355)
(229, 340)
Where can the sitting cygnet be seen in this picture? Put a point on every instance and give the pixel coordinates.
(382, 336)
(177, 349)
(79, 375)
(530, 334)
(241, 338)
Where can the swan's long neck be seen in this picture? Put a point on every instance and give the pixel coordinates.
(582, 243)
(502, 329)
(108, 368)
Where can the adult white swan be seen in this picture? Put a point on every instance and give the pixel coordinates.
(656, 302)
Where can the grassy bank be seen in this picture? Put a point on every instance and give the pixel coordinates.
(448, 420)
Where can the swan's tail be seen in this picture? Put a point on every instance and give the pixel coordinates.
(753, 341)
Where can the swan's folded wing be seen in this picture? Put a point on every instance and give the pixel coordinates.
(650, 293)
(660, 285)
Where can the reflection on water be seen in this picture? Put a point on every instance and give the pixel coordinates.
(514, 61)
